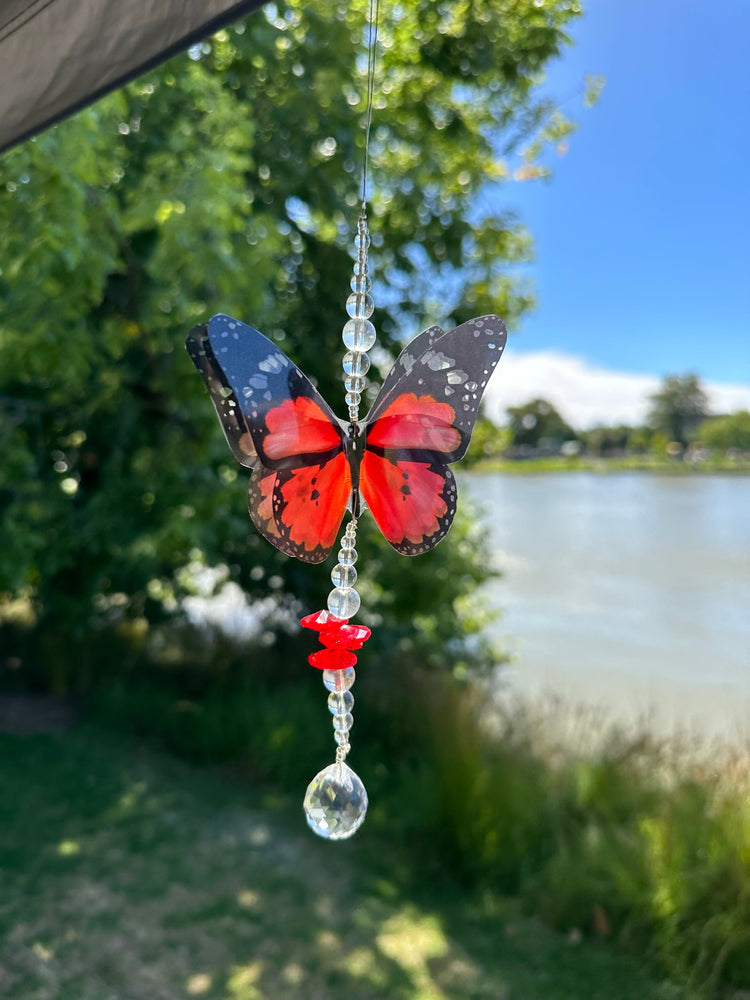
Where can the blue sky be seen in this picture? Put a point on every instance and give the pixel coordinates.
(643, 233)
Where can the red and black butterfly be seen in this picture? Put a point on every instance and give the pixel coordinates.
(309, 466)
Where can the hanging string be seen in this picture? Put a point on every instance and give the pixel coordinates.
(372, 46)
(336, 800)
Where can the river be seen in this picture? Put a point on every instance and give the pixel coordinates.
(628, 590)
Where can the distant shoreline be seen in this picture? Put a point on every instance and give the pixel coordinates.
(631, 463)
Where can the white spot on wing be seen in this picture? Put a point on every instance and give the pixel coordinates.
(273, 364)
(437, 361)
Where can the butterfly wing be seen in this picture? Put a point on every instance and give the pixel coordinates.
(277, 424)
(422, 422)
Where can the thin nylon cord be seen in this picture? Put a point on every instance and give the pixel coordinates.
(372, 46)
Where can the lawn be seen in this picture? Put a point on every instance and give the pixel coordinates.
(129, 874)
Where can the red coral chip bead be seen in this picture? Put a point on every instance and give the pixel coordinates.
(345, 636)
(320, 620)
(332, 659)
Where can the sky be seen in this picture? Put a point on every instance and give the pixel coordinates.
(643, 234)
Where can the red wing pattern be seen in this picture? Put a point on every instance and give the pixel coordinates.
(277, 424)
(421, 422)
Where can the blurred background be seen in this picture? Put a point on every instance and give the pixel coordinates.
(551, 715)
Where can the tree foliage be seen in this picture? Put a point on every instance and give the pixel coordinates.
(727, 432)
(678, 407)
(538, 421)
(228, 180)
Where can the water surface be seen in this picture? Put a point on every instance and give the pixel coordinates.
(627, 589)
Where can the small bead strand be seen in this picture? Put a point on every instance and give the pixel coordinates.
(358, 333)
(343, 600)
(340, 704)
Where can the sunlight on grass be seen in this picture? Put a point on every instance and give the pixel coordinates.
(198, 983)
(67, 848)
(412, 941)
(241, 984)
(248, 899)
(293, 973)
(41, 951)
(362, 964)
(129, 802)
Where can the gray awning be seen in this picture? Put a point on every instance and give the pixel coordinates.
(58, 55)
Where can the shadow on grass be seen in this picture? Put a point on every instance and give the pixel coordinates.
(129, 874)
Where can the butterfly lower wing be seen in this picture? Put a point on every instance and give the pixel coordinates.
(413, 503)
(276, 423)
(299, 510)
(420, 423)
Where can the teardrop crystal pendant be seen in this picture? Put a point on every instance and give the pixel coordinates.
(335, 802)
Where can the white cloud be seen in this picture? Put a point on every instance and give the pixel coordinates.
(585, 394)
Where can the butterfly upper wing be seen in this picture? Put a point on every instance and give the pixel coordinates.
(277, 424)
(408, 356)
(421, 422)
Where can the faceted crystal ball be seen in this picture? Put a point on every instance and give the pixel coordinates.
(335, 802)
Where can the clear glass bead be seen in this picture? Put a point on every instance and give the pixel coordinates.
(358, 334)
(343, 602)
(354, 383)
(362, 239)
(353, 399)
(356, 363)
(348, 541)
(341, 739)
(335, 802)
(360, 282)
(360, 305)
(347, 557)
(343, 576)
(339, 680)
(343, 723)
(340, 702)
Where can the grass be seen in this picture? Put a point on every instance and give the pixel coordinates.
(129, 874)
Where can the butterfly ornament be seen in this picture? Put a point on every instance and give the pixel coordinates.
(308, 467)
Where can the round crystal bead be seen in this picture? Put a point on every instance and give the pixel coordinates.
(354, 383)
(339, 680)
(358, 334)
(340, 702)
(347, 557)
(348, 541)
(356, 363)
(360, 305)
(362, 240)
(343, 602)
(343, 723)
(335, 802)
(352, 399)
(343, 576)
(341, 739)
(360, 282)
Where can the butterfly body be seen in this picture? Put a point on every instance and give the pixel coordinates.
(308, 466)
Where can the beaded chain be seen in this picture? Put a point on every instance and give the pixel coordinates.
(336, 801)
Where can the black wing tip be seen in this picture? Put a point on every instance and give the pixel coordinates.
(196, 339)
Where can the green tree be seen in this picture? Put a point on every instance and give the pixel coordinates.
(536, 422)
(678, 407)
(488, 440)
(727, 432)
(229, 180)
(604, 441)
